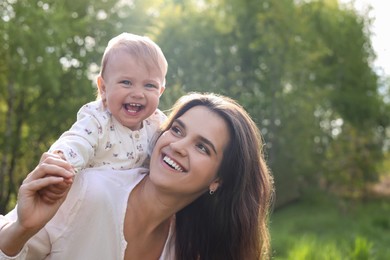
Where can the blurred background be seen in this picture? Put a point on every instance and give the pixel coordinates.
(305, 70)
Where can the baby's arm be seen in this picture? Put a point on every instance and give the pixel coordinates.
(78, 144)
(75, 146)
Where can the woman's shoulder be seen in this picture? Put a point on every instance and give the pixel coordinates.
(95, 192)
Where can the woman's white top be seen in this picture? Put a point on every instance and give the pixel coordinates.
(98, 140)
(89, 224)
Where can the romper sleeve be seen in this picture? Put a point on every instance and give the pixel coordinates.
(78, 144)
(161, 117)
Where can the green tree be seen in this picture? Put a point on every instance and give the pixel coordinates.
(354, 110)
(292, 66)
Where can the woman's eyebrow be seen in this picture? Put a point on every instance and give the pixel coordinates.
(203, 139)
(209, 143)
(178, 121)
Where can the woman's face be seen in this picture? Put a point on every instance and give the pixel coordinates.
(187, 156)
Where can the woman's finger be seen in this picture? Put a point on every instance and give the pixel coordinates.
(57, 160)
(44, 169)
(40, 183)
(46, 155)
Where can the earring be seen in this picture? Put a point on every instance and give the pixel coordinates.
(211, 192)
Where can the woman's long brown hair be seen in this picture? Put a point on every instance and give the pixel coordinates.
(233, 222)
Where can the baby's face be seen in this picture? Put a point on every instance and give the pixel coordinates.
(130, 89)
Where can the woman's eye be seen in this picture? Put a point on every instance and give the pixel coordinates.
(176, 130)
(203, 148)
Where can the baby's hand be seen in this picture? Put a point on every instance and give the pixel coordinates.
(54, 192)
(60, 154)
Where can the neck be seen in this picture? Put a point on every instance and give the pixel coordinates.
(146, 207)
(152, 206)
(147, 222)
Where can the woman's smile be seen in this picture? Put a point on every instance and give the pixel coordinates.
(171, 163)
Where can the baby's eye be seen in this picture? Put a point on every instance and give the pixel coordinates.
(150, 86)
(126, 82)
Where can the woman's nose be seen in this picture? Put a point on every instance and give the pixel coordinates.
(179, 147)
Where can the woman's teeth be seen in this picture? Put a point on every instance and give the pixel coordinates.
(171, 163)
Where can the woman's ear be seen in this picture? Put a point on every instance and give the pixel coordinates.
(214, 185)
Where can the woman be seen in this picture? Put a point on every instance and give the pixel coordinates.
(206, 196)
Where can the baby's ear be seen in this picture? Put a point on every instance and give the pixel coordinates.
(162, 90)
(101, 87)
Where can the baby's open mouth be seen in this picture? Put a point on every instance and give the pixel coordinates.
(133, 107)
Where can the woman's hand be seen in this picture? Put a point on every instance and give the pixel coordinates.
(34, 208)
(52, 193)
(38, 201)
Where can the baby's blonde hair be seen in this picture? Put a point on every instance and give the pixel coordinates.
(141, 48)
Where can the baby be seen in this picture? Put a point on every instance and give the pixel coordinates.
(115, 130)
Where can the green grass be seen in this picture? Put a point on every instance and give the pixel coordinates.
(324, 228)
